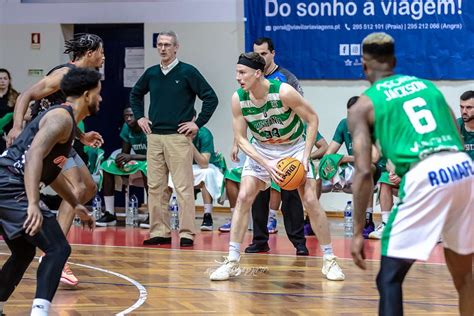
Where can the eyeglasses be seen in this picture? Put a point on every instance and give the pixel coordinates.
(164, 45)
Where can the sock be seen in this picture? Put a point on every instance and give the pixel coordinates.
(385, 216)
(368, 214)
(234, 251)
(327, 250)
(207, 208)
(272, 213)
(109, 204)
(1, 306)
(40, 307)
(232, 209)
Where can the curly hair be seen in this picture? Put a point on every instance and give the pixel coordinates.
(81, 43)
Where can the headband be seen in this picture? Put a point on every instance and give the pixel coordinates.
(250, 63)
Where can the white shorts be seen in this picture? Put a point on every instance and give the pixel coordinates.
(436, 199)
(275, 153)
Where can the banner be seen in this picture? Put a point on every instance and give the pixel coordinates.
(321, 39)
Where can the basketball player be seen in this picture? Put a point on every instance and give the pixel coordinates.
(274, 112)
(36, 158)
(466, 121)
(87, 51)
(410, 120)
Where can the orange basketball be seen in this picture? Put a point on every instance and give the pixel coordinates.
(294, 171)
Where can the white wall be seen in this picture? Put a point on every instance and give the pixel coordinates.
(211, 34)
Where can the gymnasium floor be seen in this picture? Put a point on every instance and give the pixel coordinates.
(119, 276)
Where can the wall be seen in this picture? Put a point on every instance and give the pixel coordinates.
(211, 35)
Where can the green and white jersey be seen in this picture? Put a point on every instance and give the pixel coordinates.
(467, 137)
(271, 123)
(412, 120)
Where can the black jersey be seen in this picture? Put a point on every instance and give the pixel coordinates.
(14, 157)
(55, 98)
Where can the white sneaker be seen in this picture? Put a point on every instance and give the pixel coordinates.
(331, 269)
(377, 233)
(227, 270)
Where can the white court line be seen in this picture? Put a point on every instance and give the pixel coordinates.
(418, 262)
(141, 289)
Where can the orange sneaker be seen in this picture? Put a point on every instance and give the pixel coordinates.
(67, 277)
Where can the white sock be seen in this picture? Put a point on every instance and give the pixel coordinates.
(109, 204)
(234, 251)
(1, 306)
(327, 250)
(40, 307)
(369, 210)
(207, 208)
(272, 213)
(385, 216)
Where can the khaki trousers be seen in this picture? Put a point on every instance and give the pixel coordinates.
(173, 154)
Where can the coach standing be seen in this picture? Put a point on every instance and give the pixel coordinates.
(173, 87)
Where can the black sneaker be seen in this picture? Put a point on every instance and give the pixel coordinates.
(146, 223)
(106, 220)
(256, 248)
(206, 222)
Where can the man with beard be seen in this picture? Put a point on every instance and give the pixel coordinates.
(35, 159)
(466, 121)
(87, 52)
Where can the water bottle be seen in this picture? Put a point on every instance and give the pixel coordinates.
(131, 218)
(174, 220)
(348, 221)
(97, 207)
(133, 206)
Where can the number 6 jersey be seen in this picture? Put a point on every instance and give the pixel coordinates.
(412, 120)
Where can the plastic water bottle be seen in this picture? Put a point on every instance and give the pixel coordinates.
(174, 219)
(348, 220)
(131, 218)
(97, 207)
(134, 206)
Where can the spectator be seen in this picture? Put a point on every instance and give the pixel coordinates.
(8, 97)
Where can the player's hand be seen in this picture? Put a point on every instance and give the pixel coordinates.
(86, 219)
(34, 220)
(12, 135)
(122, 159)
(92, 139)
(188, 128)
(357, 251)
(394, 178)
(234, 154)
(276, 174)
(145, 124)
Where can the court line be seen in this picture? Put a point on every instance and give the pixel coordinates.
(245, 254)
(143, 294)
(301, 295)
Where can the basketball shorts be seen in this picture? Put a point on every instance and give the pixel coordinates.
(275, 153)
(73, 160)
(13, 203)
(436, 199)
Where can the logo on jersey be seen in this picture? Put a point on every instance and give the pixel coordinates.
(60, 161)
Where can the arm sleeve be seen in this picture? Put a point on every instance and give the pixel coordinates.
(205, 92)
(339, 133)
(137, 94)
(292, 80)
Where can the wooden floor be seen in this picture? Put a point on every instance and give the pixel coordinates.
(166, 280)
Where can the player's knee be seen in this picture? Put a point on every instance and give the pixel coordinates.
(245, 197)
(25, 256)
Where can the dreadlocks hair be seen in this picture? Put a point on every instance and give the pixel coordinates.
(81, 43)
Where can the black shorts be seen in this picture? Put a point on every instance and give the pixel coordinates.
(13, 203)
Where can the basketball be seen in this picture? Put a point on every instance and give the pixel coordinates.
(294, 173)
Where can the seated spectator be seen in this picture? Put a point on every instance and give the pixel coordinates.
(8, 97)
(207, 176)
(341, 136)
(123, 164)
